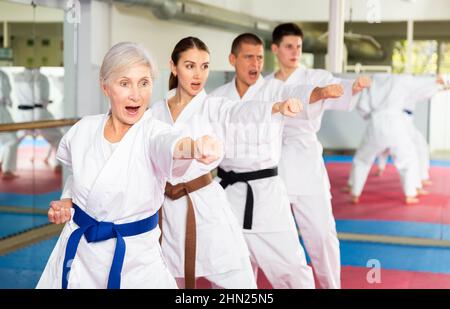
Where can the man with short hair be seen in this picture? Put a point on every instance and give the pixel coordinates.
(301, 165)
(250, 176)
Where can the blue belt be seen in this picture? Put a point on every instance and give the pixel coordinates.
(95, 231)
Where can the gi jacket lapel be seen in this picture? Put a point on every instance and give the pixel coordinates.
(253, 90)
(111, 182)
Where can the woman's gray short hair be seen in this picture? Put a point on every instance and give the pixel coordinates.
(123, 56)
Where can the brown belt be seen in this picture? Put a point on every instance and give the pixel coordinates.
(190, 246)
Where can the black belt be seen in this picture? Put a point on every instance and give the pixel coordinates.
(25, 107)
(230, 178)
(38, 105)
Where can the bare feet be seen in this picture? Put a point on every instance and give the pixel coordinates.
(427, 182)
(411, 200)
(346, 189)
(354, 200)
(8, 176)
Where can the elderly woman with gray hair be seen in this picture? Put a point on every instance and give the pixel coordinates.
(120, 162)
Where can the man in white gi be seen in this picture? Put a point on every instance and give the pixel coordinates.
(250, 178)
(8, 140)
(301, 165)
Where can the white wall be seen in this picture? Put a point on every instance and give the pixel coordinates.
(318, 10)
(159, 36)
(103, 25)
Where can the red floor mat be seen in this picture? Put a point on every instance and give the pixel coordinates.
(355, 278)
(34, 177)
(382, 198)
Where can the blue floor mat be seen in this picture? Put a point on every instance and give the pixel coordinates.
(348, 159)
(394, 228)
(12, 223)
(40, 201)
(396, 257)
(22, 269)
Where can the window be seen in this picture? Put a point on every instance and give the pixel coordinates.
(444, 63)
(424, 57)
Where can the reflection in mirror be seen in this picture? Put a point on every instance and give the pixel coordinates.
(31, 57)
(36, 94)
(404, 123)
(31, 89)
(33, 181)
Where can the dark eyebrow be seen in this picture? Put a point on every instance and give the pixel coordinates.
(189, 61)
(205, 63)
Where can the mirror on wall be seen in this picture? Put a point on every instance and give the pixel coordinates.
(31, 89)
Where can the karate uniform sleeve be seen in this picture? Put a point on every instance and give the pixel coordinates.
(231, 118)
(303, 93)
(67, 190)
(221, 110)
(63, 153)
(346, 102)
(422, 88)
(161, 145)
(363, 104)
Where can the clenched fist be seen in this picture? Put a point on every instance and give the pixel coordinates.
(332, 91)
(60, 211)
(207, 149)
(361, 83)
(289, 107)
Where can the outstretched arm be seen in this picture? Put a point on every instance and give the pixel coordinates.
(206, 149)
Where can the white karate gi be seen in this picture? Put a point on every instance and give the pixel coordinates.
(423, 89)
(42, 97)
(303, 170)
(32, 87)
(273, 240)
(8, 140)
(222, 255)
(120, 187)
(24, 91)
(388, 127)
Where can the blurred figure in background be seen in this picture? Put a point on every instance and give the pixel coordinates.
(33, 96)
(421, 145)
(41, 112)
(9, 141)
(302, 166)
(383, 106)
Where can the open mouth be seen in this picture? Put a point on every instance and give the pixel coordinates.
(196, 86)
(253, 73)
(132, 110)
